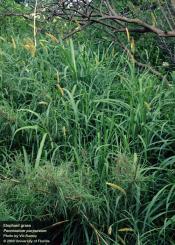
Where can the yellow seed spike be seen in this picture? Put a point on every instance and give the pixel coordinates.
(43, 103)
(113, 52)
(110, 230)
(30, 46)
(147, 105)
(53, 38)
(58, 85)
(97, 60)
(132, 45)
(116, 187)
(78, 25)
(60, 89)
(64, 131)
(13, 43)
(126, 229)
(154, 22)
(42, 43)
(58, 77)
(128, 35)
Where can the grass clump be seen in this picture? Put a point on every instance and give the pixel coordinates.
(86, 138)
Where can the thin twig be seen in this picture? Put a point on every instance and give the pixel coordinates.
(55, 224)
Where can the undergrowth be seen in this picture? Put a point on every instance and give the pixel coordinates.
(88, 139)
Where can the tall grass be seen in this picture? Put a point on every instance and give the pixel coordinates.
(87, 138)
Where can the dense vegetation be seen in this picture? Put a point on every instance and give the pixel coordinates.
(85, 137)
